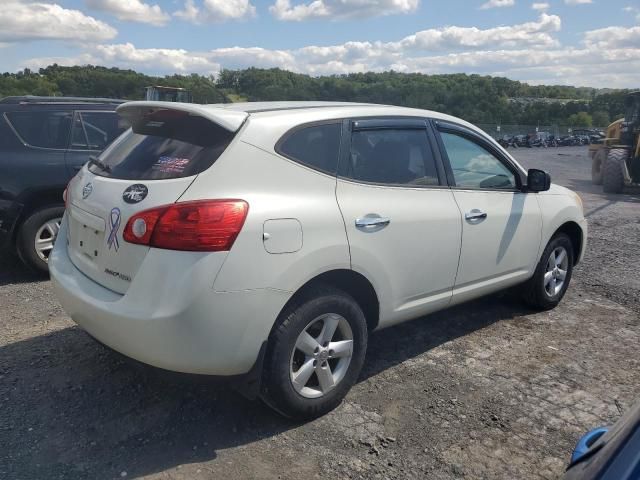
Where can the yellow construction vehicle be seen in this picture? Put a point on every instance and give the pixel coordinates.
(616, 161)
(167, 94)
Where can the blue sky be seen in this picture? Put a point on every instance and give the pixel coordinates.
(578, 42)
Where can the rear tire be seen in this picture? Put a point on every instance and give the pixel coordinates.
(544, 291)
(613, 173)
(597, 165)
(39, 226)
(331, 378)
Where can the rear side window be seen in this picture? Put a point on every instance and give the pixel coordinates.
(393, 157)
(43, 129)
(95, 130)
(166, 144)
(316, 146)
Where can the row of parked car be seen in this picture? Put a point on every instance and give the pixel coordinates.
(546, 139)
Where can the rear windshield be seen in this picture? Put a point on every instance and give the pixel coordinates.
(166, 144)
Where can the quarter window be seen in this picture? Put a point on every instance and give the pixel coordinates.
(316, 146)
(475, 167)
(42, 129)
(392, 156)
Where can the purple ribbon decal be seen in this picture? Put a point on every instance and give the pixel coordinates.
(114, 226)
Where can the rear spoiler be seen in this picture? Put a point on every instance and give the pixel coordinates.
(230, 120)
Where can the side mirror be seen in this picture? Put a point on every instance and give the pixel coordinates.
(538, 180)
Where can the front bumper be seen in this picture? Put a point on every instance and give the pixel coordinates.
(176, 322)
(585, 230)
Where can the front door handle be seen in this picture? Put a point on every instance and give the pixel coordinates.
(475, 215)
(372, 221)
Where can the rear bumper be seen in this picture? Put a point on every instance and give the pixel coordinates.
(175, 322)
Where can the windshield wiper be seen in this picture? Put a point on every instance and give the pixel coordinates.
(93, 160)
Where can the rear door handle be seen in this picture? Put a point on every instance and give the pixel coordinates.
(475, 215)
(372, 221)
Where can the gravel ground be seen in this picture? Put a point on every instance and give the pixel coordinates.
(485, 390)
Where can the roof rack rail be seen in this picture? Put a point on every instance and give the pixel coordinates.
(18, 99)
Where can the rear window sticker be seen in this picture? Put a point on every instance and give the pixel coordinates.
(171, 164)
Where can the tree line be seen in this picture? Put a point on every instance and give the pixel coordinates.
(476, 98)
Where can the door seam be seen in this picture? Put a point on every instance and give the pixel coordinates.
(455, 280)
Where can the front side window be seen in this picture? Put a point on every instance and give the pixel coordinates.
(475, 167)
(392, 157)
(95, 130)
(316, 146)
(45, 129)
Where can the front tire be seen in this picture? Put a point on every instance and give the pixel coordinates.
(552, 275)
(315, 354)
(37, 235)
(613, 174)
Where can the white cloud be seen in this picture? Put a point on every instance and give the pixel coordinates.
(497, 4)
(633, 10)
(162, 59)
(540, 6)
(612, 38)
(215, 11)
(240, 57)
(577, 2)
(341, 9)
(514, 36)
(40, 62)
(132, 10)
(608, 57)
(49, 21)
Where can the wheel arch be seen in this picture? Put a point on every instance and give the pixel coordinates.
(576, 235)
(34, 200)
(351, 282)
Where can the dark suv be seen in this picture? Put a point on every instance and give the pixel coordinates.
(43, 142)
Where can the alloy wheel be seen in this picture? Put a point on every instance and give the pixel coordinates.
(321, 355)
(45, 237)
(556, 272)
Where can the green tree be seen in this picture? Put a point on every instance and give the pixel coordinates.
(580, 119)
(600, 118)
(477, 98)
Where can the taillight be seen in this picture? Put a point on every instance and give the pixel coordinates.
(65, 194)
(203, 225)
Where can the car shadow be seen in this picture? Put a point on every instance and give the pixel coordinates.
(392, 346)
(72, 408)
(12, 270)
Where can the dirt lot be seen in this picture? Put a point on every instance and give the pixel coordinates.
(486, 390)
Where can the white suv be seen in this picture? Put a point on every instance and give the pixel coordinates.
(268, 239)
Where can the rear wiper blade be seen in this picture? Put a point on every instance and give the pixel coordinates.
(93, 160)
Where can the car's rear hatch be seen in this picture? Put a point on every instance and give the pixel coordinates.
(151, 165)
